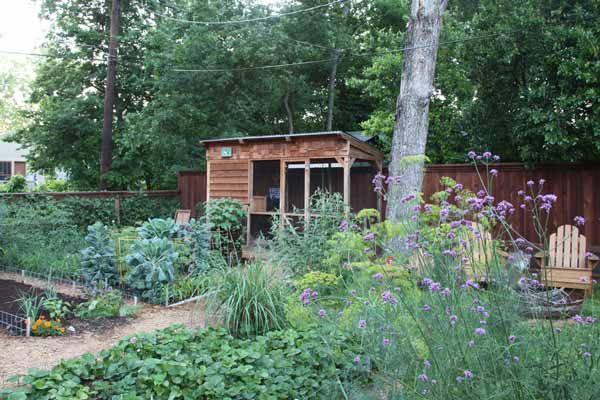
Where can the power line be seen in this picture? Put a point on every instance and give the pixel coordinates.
(254, 68)
(242, 21)
(374, 53)
(30, 54)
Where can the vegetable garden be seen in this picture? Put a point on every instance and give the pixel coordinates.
(342, 306)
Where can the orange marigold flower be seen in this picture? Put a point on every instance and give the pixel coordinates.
(34, 328)
(57, 319)
(47, 324)
(62, 330)
(39, 322)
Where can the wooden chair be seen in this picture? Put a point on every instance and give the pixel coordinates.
(482, 253)
(182, 217)
(565, 264)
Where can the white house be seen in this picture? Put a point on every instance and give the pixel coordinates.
(12, 160)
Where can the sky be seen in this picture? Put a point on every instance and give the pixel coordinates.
(20, 27)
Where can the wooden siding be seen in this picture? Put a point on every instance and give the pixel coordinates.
(229, 179)
(296, 148)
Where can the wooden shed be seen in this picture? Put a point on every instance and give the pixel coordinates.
(278, 174)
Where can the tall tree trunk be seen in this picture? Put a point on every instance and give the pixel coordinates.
(412, 106)
(109, 94)
(332, 81)
(288, 111)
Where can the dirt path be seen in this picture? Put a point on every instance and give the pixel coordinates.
(18, 354)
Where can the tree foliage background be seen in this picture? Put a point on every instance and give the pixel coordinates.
(520, 78)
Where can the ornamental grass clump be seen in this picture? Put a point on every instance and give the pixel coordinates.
(250, 299)
(468, 331)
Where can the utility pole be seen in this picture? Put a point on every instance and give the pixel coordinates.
(109, 94)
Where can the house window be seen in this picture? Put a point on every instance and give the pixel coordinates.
(5, 170)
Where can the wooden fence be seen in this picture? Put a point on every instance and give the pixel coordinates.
(576, 185)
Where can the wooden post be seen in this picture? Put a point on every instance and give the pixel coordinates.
(250, 205)
(282, 197)
(118, 210)
(307, 189)
(347, 166)
(207, 180)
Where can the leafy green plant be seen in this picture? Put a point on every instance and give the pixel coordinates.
(250, 300)
(227, 218)
(151, 263)
(302, 247)
(98, 260)
(57, 308)
(205, 364)
(16, 184)
(322, 282)
(199, 233)
(160, 228)
(107, 304)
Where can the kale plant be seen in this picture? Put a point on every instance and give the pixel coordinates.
(98, 260)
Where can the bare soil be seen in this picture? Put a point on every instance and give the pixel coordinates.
(11, 290)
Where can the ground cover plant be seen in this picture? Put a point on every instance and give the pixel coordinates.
(177, 363)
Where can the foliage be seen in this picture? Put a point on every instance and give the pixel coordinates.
(159, 228)
(227, 218)
(30, 304)
(107, 304)
(44, 327)
(199, 233)
(250, 300)
(151, 263)
(98, 260)
(207, 364)
(187, 286)
(40, 236)
(16, 184)
(302, 247)
(322, 282)
(57, 308)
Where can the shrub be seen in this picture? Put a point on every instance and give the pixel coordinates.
(98, 260)
(227, 218)
(16, 184)
(250, 300)
(40, 237)
(151, 263)
(179, 363)
(322, 282)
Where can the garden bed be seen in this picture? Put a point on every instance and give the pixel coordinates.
(11, 290)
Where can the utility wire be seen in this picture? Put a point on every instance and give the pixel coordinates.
(28, 54)
(254, 68)
(373, 53)
(242, 21)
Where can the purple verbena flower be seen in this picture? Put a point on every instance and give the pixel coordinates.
(362, 324)
(579, 221)
(479, 331)
(322, 313)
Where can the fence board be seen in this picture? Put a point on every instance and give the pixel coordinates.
(576, 185)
